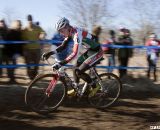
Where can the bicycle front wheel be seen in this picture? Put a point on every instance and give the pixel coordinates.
(39, 99)
(109, 91)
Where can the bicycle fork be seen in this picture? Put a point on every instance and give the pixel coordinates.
(51, 85)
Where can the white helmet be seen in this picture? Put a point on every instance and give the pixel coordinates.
(62, 23)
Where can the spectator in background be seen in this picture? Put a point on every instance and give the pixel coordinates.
(152, 54)
(3, 36)
(96, 36)
(11, 51)
(110, 52)
(37, 24)
(96, 33)
(32, 51)
(124, 54)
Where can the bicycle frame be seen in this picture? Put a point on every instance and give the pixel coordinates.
(58, 85)
(59, 74)
(52, 84)
(93, 70)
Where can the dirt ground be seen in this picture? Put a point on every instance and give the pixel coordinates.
(137, 109)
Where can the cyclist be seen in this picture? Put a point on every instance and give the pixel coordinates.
(84, 61)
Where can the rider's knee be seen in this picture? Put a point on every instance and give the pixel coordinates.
(78, 72)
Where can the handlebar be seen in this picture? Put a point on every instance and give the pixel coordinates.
(56, 61)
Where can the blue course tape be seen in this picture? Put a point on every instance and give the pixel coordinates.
(116, 67)
(58, 42)
(27, 42)
(126, 46)
(21, 65)
(104, 67)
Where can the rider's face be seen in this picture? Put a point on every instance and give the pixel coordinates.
(65, 31)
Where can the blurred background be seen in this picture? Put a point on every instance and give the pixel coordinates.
(113, 22)
(35, 20)
(142, 16)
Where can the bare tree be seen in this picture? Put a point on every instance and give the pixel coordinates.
(148, 10)
(141, 34)
(147, 16)
(86, 13)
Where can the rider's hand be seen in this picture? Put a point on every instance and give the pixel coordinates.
(46, 55)
(56, 66)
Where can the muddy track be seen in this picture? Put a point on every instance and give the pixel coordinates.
(137, 109)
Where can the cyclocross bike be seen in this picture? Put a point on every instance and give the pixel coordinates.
(47, 91)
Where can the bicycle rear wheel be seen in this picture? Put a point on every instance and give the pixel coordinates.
(39, 99)
(110, 89)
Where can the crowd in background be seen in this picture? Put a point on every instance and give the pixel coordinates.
(33, 51)
(124, 54)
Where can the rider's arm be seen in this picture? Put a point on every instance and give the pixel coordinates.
(63, 45)
(75, 49)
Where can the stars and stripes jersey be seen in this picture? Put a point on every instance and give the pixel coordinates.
(81, 37)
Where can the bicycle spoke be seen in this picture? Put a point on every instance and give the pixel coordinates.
(42, 101)
(37, 98)
(110, 91)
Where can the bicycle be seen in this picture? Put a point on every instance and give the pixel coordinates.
(47, 91)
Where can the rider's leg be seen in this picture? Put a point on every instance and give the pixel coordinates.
(75, 77)
(93, 57)
(80, 60)
(80, 72)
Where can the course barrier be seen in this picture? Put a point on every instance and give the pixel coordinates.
(104, 67)
(56, 42)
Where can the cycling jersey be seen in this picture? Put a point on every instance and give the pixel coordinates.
(80, 37)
